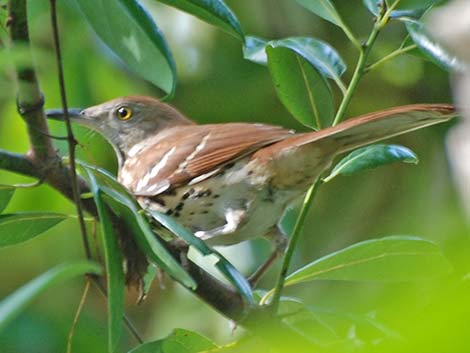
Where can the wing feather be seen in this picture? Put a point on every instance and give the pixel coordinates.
(177, 155)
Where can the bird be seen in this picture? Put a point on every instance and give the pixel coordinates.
(231, 182)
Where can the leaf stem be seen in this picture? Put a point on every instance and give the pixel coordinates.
(299, 224)
(359, 71)
(390, 56)
(352, 38)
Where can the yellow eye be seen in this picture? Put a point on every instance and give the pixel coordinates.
(124, 113)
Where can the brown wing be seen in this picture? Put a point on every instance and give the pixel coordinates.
(178, 155)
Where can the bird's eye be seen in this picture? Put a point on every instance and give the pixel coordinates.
(124, 113)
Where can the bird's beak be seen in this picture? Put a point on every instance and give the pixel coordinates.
(76, 115)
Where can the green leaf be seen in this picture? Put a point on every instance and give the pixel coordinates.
(413, 13)
(390, 259)
(319, 54)
(19, 227)
(125, 206)
(179, 341)
(324, 9)
(127, 28)
(372, 6)
(370, 157)
(15, 303)
(433, 50)
(215, 12)
(114, 268)
(224, 266)
(301, 87)
(254, 50)
(6, 193)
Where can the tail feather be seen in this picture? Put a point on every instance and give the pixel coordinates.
(313, 152)
(376, 126)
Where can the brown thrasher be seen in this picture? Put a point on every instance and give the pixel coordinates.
(231, 182)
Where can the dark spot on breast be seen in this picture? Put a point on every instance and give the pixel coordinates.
(210, 204)
(205, 212)
(158, 201)
(179, 206)
(229, 165)
(177, 214)
(170, 192)
(216, 196)
(250, 172)
(188, 194)
(169, 212)
(191, 213)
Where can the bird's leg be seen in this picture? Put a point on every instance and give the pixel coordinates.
(280, 243)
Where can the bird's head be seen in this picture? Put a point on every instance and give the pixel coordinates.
(125, 121)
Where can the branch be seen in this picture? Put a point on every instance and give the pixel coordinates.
(43, 162)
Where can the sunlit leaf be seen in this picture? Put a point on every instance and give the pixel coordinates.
(435, 51)
(6, 193)
(19, 227)
(301, 87)
(390, 259)
(215, 12)
(322, 8)
(254, 50)
(179, 341)
(127, 28)
(15, 303)
(125, 206)
(224, 266)
(332, 326)
(370, 157)
(114, 269)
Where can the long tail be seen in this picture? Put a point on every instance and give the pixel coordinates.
(313, 152)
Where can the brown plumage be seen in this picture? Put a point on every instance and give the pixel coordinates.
(232, 182)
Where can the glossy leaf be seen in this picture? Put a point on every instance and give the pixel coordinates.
(127, 28)
(114, 267)
(179, 341)
(125, 206)
(215, 12)
(395, 258)
(254, 50)
(435, 51)
(370, 157)
(19, 227)
(15, 303)
(413, 13)
(319, 54)
(301, 87)
(324, 9)
(6, 193)
(223, 265)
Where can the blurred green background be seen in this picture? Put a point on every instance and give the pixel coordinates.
(217, 85)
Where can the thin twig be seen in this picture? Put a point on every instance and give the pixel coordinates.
(70, 137)
(391, 56)
(130, 326)
(77, 315)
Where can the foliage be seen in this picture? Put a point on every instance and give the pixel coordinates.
(301, 69)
